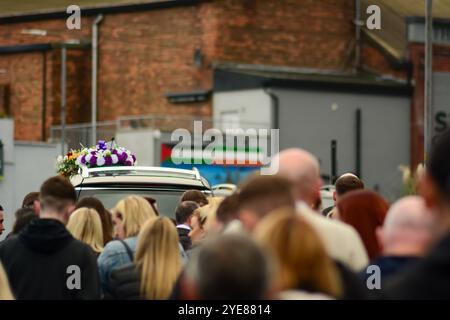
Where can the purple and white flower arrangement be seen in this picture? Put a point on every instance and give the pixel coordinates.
(105, 155)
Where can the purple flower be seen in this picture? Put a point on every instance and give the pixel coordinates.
(134, 158)
(114, 151)
(102, 145)
(93, 160)
(128, 163)
(108, 160)
(83, 160)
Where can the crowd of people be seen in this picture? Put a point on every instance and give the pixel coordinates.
(271, 239)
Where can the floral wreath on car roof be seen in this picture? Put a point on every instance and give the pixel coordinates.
(104, 154)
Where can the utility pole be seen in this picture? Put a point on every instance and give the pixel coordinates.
(63, 97)
(428, 97)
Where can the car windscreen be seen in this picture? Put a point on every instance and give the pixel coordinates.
(166, 200)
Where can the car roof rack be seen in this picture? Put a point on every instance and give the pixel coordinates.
(137, 170)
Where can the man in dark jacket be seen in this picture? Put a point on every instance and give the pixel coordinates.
(183, 216)
(44, 261)
(430, 278)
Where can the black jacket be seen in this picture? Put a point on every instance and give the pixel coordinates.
(185, 240)
(38, 263)
(125, 283)
(390, 266)
(427, 279)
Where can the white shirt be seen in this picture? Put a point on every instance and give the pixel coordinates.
(184, 226)
(341, 240)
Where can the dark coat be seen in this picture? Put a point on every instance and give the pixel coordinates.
(125, 283)
(185, 240)
(427, 279)
(390, 266)
(38, 263)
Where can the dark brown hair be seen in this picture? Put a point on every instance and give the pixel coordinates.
(347, 183)
(23, 217)
(57, 193)
(29, 199)
(196, 196)
(228, 209)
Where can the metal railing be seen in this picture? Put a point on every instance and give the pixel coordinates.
(81, 134)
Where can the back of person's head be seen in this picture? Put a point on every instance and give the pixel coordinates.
(57, 195)
(23, 217)
(228, 210)
(153, 204)
(437, 190)
(105, 216)
(29, 199)
(297, 249)
(133, 212)
(365, 210)
(208, 214)
(184, 211)
(262, 194)
(408, 228)
(158, 258)
(5, 289)
(85, 225)
(303, 169)
(229, 267)
(196, 196)
(346, 183)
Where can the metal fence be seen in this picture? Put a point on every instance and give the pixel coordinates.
(77, 134)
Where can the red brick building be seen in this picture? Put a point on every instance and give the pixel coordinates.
(151, 49)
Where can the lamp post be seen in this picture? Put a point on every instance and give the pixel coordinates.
(428, 97)
(63, 97)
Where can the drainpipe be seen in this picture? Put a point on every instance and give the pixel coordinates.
(63, 96)
(275, 107)
(94, 77)
(358, 25)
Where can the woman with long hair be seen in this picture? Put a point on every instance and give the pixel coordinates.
(105, 216)
(5, 290)
(85, 225)
(156, 266)
(303, 268)
(129, 215)
(365, 210)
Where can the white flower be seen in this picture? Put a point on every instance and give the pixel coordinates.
(60, 159)
(114, 158)
(100, 161)
(88, 158)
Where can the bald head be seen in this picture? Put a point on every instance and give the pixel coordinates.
(346, 183)
(408, 227)
(302, 168)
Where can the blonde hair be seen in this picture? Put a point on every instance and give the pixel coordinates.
(299, 253)
(85, 225)
(134, 212)
(207, 214)
(158, 258)
(5, 290)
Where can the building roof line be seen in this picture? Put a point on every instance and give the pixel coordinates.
(95, 10)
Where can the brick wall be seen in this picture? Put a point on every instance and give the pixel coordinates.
(144, 55)
(441, 63)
